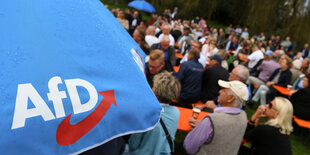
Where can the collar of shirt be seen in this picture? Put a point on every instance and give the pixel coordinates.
(229, 110)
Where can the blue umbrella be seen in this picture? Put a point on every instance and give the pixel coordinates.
(71, 78)
(142, 5)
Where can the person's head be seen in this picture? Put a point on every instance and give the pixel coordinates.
(121, 15)
(267, 55)
(215, 60)
(150, 30)
(166, 29)
(157, 61)
(297, 64)
(166, 87)
(239, 73)
(287, 38)
(135, 14)
(142, 24)
(193, 54)
(279, 112)
(164, 43)
(305, 63)
(212, 42)
(245, 29)
(186, 30)
(306, 45)
(285, 62)
(306, 80)
(197, 45)
(235, 39)
(138, 35)
(222, 53)
(233, 94)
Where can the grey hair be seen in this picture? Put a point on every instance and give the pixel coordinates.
(243, 73)
(166, 87)
(165, 38)
(238, 101)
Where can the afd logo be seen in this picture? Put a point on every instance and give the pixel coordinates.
(67, 133)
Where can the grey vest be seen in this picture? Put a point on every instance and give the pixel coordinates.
(228, 130)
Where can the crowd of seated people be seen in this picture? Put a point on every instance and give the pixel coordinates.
(213, 56)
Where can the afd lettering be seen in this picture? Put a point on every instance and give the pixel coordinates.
(27, 92)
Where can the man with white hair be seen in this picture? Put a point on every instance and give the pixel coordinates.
(168, 50)
(150, 37)
(225, 127)
(166, 31)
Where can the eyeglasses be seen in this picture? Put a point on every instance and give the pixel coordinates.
(270, 106)
(154, 67)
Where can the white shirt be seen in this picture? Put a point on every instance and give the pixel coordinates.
(170, 38)
(203, 39)
(255, 57)
(202, 60)
(150, 40)
(206, 51)
(244, 34)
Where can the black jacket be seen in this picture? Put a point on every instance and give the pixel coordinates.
(301, 103)
(210, 87)
(284, 79)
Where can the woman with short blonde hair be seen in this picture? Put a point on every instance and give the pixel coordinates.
(273, 136)
(165, 87)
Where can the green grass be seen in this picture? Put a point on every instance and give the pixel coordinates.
(298, 138)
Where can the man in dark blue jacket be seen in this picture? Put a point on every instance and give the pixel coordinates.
(190, 77)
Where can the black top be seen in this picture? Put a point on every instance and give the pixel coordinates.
(284, 79)
(267, 139)
(210, 87)
(301, 103)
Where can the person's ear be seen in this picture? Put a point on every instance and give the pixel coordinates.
(231, 98)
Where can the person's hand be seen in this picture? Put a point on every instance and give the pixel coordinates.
(268, 84)
(210, 105)
(193, 122)
(260, 112)
(201, 106)
(292, 91)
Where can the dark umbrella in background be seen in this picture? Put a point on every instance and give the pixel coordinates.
(142, 5)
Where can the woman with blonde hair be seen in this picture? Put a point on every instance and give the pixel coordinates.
(273, 136)
(166, 87)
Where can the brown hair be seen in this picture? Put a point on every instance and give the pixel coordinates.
(195, 53)
(289, 61)
(157, 54)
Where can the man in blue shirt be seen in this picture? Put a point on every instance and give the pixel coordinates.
(190, 77)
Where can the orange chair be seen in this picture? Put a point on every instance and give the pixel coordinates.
(304, 124)
(179, 55)
(185, 115)
(176, 68)
(255, 86)
(198, 103)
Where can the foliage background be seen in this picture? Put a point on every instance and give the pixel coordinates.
(279, 17)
